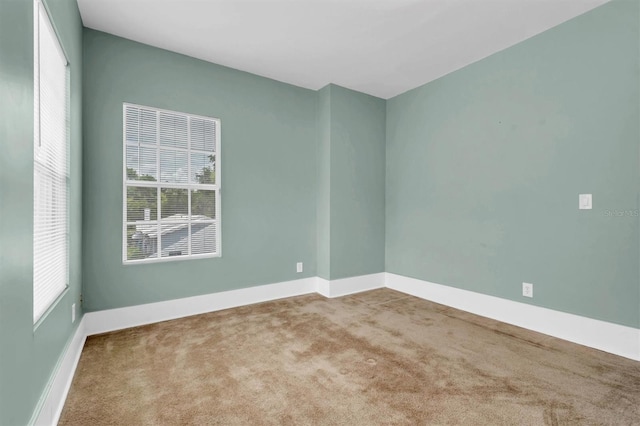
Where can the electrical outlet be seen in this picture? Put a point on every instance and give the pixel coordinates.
(73, 313)
(299, 267)
(527, 289)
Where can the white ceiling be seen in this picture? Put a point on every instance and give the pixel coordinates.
(380, 47)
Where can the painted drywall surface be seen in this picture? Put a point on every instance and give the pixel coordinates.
(268, 173)
(351, 166)
(324, 181)
(357, 183)
(484, 168)
(28, 357)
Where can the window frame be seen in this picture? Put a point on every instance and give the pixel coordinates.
(40, 167)
(159, 185)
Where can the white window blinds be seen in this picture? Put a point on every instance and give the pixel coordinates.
(50, 169)
(171, 192)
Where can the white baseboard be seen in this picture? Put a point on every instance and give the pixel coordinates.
(133, 316)
(345, 286)
(55, 394)
(613, 338)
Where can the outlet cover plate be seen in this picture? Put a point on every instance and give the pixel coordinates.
(585, 202)
(299, 267)
(527, 289)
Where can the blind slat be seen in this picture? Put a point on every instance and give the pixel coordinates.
(50, 195)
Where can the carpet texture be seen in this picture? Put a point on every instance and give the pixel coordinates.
(379, 357)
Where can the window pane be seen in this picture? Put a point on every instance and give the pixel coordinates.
(173, 130)
(175, 239)
(174, 204)
(175, 152)
(203, 204)
(203, 168)
(148, 127)
(203, 238)
(142, 241)
(132, 128)
(141, 163)
(173, 166)
(203, 136)
(142, 203)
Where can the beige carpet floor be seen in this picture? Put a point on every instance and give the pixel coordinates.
(379, 357)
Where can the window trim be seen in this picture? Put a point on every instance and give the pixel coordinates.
(217, 187)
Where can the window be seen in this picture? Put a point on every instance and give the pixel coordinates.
(50, 168)
(171, 193)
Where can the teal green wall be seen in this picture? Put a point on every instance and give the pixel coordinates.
(357, 183)
(323, 153)
(351, 167)
(268, 173)
(28, 357)
(484, 168)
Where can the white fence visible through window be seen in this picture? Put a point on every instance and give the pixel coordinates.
(171, 191)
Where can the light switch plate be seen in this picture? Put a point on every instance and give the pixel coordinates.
(585, 202)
